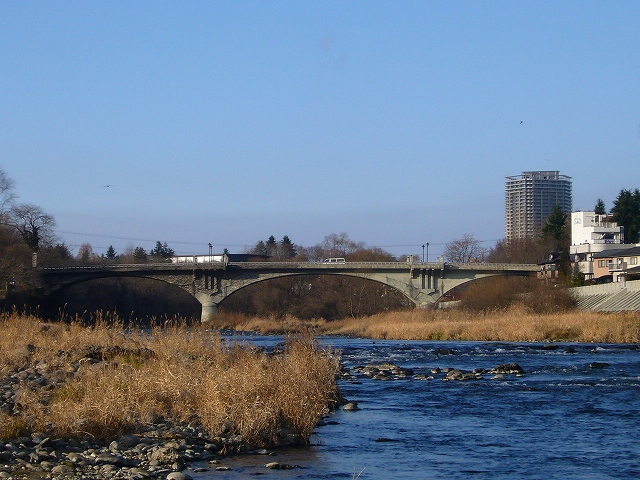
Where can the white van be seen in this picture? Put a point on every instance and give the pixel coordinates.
(334, 260)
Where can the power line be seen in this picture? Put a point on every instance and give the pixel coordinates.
(200, 244)
(134, 239)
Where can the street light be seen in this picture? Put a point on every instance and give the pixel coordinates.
(427, 252)
(210, 253)
(422, 253)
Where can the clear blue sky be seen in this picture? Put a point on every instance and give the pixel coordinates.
(393, 121)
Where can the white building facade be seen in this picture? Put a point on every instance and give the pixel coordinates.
(592, 233)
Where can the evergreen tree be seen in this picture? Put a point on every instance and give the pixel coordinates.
(555, 228)
(626, 211)
(260, 248)
(57, 255)
(558, 231)
(111, 253)
(162, 250)
(288, 249)
(271, 246)
(139, 255)
(600, 208)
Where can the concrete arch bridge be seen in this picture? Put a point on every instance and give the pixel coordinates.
(423, 283)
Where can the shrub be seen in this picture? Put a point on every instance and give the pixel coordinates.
(499, 293)
(490, 294)
(547, 298)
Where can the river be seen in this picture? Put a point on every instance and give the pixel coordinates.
(574, 414)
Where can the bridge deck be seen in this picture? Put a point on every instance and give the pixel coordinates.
(294, 265)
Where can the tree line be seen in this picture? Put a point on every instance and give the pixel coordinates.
(27, 236)
(28, 239)
(26, 231)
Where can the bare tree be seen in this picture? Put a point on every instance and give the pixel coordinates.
(33, 224)
(340, 245)
(86, 254)
(518, 250)
(465, 250)
(15, 257)
(6, 192)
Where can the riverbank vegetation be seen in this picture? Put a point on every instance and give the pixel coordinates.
(496, 309)
(508, 309)
(101, 381)
(512, 324)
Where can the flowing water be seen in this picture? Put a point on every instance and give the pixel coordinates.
(574, 414)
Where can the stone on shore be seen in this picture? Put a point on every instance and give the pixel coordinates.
(351, 407)
(178, 476)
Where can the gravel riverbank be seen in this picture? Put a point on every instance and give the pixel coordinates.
(164, 451)
(159, 450)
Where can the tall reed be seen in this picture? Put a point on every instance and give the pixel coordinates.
(118, 381)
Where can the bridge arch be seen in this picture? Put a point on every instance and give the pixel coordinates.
(131, 297)
(329, 295)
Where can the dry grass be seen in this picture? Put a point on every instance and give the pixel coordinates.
(111, 381)
(264, 403)
(271, 325)
(517, 323)
(176, 373)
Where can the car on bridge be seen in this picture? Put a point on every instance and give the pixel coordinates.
(334, 260)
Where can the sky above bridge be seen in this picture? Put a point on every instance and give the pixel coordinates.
(225, 122)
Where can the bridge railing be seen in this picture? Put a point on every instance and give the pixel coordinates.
(296, 265)
(495, 266)
(130, 266)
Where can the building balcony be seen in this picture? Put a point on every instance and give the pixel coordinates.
(586, 267)
(617, 266)
(602, 241)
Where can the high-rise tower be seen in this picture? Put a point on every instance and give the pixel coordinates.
(530, 199)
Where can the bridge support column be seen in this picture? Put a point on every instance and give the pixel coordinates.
(208, 310)
(209, 307)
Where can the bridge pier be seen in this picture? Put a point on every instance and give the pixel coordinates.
(208, 310)
(209, 307)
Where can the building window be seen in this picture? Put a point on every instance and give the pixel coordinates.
(633, 261)
(602, 263)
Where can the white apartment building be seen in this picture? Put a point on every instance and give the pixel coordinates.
(592, 233)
